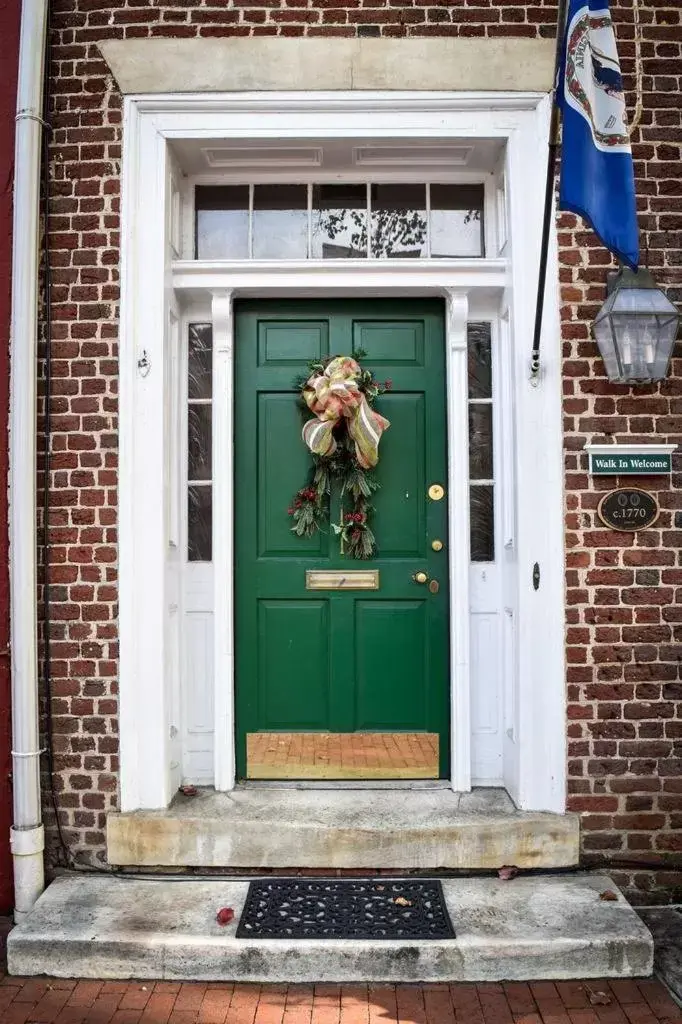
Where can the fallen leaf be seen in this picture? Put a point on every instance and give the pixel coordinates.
(224, 915)
(188, 790)
(507, 872)
(598, 998)
(608, 896)
(402, 902)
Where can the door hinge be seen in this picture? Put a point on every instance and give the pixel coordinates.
(536, 576)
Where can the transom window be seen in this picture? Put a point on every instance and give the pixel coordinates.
(339, 221)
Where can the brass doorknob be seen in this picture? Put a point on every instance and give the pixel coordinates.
(420, 577)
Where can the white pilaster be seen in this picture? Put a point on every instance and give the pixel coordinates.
(458, 472)
(223, 529)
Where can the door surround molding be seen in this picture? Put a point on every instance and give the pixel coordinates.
(150, 276)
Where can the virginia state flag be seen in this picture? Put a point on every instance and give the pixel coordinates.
(597, 178)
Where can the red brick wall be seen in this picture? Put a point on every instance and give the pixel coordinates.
(623, 597)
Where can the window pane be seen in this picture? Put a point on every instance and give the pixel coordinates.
(480, 361)
(398, 221)
(200, 361)
(456, 220)
(339, 222)
(222, 222)
(199, 523)
(280, 222)
(481, 442)
(199, 442)
(481, 508)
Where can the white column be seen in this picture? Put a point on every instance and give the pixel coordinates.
(458, 477)
(223, 528)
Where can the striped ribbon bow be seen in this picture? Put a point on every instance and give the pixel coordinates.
(333, 394)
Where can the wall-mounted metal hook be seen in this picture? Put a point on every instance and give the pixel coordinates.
(144, 364)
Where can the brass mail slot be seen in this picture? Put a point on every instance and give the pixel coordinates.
(342, 579)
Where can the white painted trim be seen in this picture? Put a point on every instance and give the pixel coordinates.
(540, 639)
(326, 102)
(143, 701)
(458, 486)
(308, 277)
(520, 120)
(223, 544)
(223, 519)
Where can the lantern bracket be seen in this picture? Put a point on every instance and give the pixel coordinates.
(625, 277)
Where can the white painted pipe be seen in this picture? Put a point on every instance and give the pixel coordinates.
(26, 836)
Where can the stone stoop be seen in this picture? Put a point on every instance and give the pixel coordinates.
(328, 828)
(533, 927)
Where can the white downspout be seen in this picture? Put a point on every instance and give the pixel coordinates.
(26, 836)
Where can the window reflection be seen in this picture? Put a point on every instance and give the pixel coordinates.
(480, 360)
(339, 222)
(280, 222)
(398, 221)
(222, 222)
(409, 220)
(200, 523)
(200, 361)
(482, 523)
(199, 443)
(481, 463)
(456, 220)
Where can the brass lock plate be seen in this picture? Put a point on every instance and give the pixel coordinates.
(434, 586)
(436, 492)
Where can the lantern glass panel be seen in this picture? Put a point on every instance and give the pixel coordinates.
(607, 347)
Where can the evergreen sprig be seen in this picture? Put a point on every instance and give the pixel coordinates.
(310, 505)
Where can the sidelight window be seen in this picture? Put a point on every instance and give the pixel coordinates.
(481, 467)
(199, 442)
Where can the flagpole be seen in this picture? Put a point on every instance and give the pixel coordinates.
(553, 148)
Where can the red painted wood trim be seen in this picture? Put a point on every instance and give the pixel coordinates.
(10, 11)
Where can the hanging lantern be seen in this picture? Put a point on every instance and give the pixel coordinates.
(636, 328)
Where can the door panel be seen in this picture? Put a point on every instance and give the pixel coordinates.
(293, 644)
(281, 459)
(391, 665)
(400, 505)
(340, 683)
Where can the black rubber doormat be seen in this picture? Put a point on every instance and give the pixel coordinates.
(357, 908)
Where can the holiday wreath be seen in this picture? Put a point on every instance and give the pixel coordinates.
(343, 438)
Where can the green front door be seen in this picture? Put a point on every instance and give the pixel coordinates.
(326, 678)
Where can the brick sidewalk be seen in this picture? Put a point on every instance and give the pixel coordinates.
(45, 1001)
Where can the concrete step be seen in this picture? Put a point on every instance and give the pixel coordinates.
(542, 926)
(280, 827)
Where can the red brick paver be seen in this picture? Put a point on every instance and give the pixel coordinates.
(55, 1001)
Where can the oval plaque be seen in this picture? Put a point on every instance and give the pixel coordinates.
(628, 509)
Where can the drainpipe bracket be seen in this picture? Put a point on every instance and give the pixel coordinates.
(27, 842)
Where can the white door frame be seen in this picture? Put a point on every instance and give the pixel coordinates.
(151, 272)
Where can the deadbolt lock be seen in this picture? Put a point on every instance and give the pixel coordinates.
(434, 586)
(437, 545)
(436, 492)
(420, 577)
